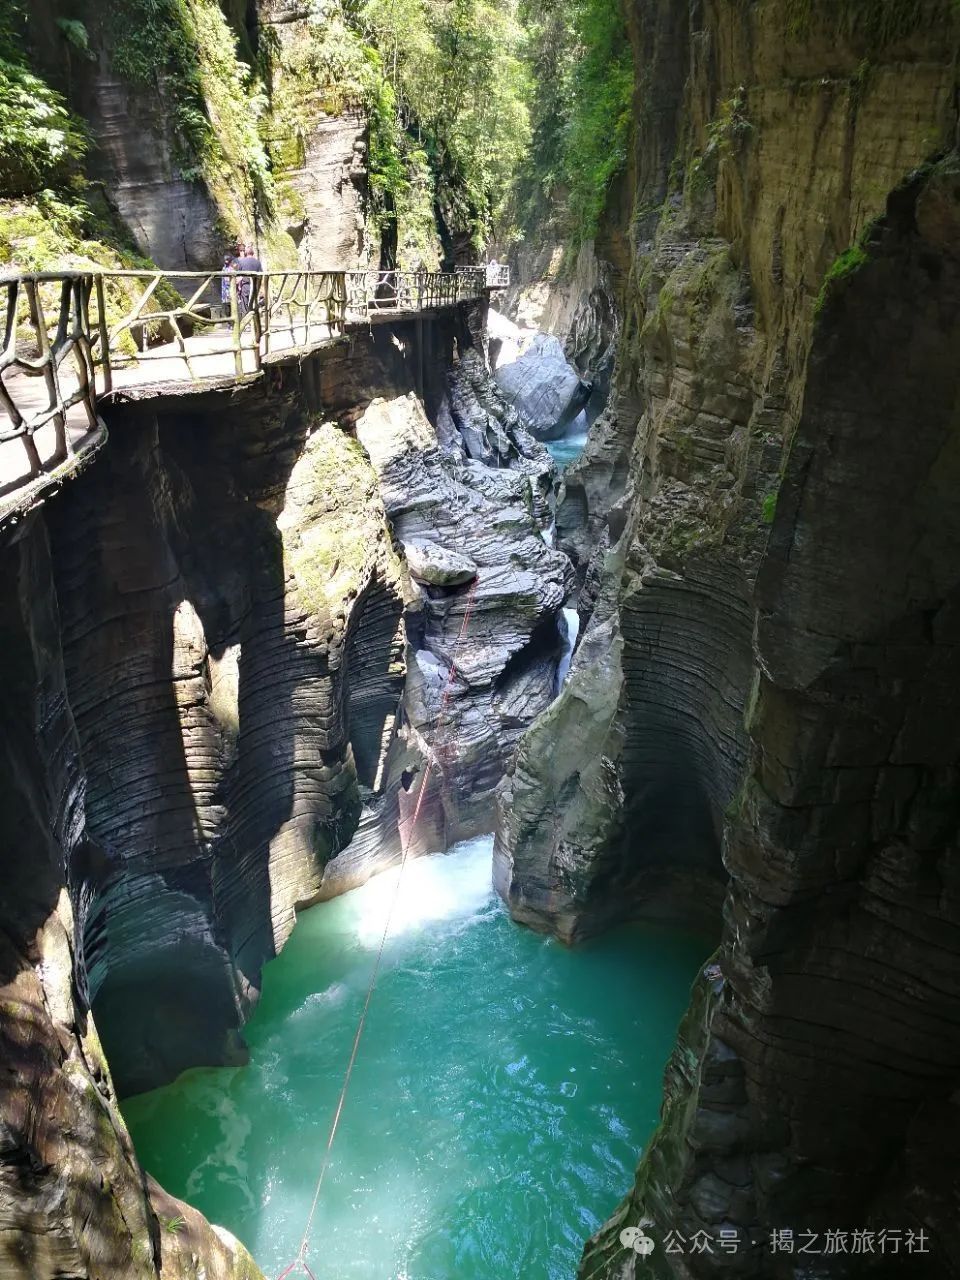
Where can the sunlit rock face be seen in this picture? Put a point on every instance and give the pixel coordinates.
(436, 566)
(575, 303)
(534, 375)
(178, 208)
(321, 159)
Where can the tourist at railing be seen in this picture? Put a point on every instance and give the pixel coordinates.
(247, 286)
(229, 268)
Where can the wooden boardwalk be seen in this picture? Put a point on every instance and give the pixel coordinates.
(177, 334)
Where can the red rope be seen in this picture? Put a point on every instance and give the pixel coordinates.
(445, 697)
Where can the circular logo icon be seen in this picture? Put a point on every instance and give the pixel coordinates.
(635, 1239)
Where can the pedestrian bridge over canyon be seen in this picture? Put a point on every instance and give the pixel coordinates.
(74, 340)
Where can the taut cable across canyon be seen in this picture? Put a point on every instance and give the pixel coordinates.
(406, 843)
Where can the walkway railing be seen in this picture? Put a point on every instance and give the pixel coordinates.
(73, 337)
(190, 317)
(49, 320)
(497, 277)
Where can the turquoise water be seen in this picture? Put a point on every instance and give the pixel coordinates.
(504, 1087)
(567, 450)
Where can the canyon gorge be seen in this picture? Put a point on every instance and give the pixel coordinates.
(636, 578)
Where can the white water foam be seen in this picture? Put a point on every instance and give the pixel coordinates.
(572, 619)
(453, 887)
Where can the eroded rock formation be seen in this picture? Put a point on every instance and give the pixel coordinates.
(811, 1077)
(765, 527)
(73, 1200)
(234, 685)
(486, 650)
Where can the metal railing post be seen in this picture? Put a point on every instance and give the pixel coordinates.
(49, 372)
(265, 328)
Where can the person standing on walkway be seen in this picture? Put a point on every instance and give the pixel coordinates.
(248, 292)
(229, 269)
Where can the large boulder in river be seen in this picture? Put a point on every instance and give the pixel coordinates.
(437, 566)
(544, 388)
(536, 378)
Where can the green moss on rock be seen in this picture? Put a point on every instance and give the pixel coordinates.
(333, 526)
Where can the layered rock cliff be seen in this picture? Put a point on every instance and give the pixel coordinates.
(73, 1200)
(765, 525)
(235, 682)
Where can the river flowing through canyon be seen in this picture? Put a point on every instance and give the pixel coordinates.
(479, 549)
(504, 1086)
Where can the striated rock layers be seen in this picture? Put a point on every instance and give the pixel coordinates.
(814, 1084)
(237, 623)
(225, 688)
(765, 526)
(73, 1200)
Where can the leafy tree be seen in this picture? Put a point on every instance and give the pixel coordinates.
(599, 129)
(583, 70)
(461, 81)
(40, 139)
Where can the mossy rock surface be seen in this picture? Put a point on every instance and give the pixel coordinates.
(333, 526)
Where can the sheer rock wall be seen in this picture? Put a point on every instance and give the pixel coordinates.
(73, 1200)
(765, 524)
(814, 1084)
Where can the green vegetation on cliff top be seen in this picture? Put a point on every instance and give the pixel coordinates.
(443, 85)
(583, 72)
(461, 86)
(448, 88)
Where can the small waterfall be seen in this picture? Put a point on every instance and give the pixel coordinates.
(572, 620)
(570, 446)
